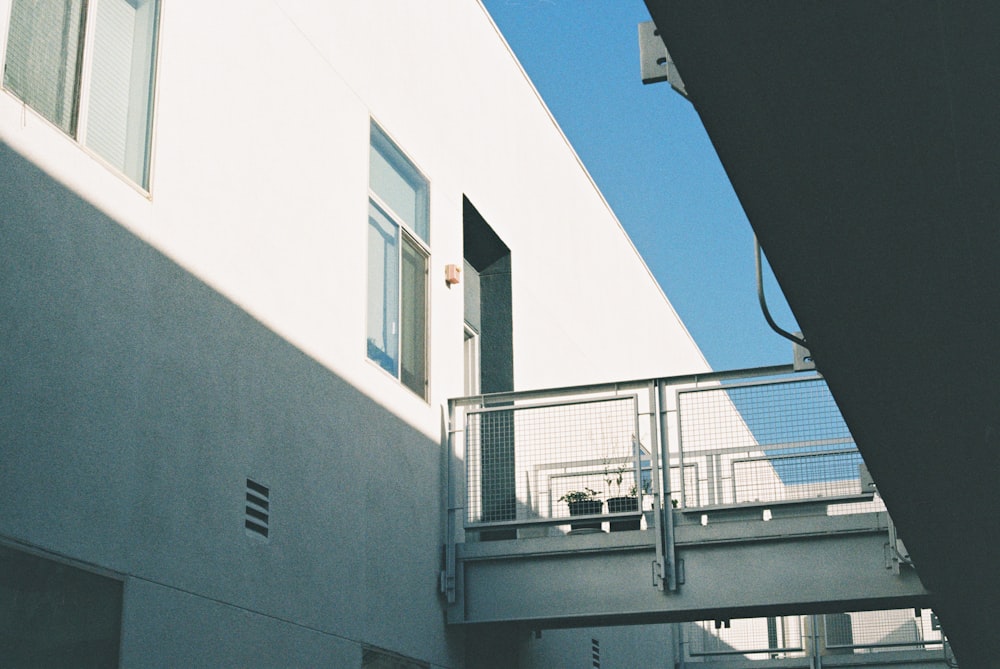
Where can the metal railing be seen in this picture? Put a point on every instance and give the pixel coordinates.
(815, 635)
(722, 444)
(741, 439)
(542, 457)
(765, 442)
(882, 631)
(656, 454)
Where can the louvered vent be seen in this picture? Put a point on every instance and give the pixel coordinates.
(258, 510)
(595, 653)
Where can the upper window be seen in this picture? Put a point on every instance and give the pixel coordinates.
(87, 66)
(398, 252)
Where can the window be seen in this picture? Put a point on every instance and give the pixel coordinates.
(87, 66)
(471, 355)
(57, 615)
(398, 238)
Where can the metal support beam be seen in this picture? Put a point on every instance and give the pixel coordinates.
(739, 569)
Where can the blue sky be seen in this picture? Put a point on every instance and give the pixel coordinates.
(648, 152)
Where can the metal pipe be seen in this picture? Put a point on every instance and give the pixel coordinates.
(763, 300)
(699, 377)
(681, 645)
(448, 577)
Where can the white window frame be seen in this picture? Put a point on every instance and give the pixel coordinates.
(407, 236)
(472, 361)
(140, 176)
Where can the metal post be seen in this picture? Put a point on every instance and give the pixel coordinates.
(660, 566)
(448, 575)
(666, 514)
(681, 645)
(817, 654)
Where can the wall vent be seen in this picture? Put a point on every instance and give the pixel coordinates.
(595, 653)
(258, 509)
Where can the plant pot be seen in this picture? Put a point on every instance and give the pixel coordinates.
(588, 507)
(624, 505)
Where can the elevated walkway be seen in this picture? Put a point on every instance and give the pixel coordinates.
(773, 515)
(725, 570)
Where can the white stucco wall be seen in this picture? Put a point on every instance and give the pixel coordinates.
(259, 189)
(260, 173)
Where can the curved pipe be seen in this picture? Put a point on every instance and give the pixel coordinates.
(763, 301)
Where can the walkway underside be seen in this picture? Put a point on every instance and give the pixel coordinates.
(728, 568)
(863, 143)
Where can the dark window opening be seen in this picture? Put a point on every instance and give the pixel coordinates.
(489, 314)
(56, 615)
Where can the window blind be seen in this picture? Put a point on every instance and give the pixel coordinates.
(44, 55)
(120, 77)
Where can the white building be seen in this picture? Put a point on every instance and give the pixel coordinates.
(227, 336)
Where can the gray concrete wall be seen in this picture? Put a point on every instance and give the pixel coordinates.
(646, 646)
(136, 401)
(190, 631)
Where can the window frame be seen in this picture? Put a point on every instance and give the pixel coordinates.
(471, 361)
(79, 130)
(407, 238)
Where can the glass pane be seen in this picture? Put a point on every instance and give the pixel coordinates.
(414, 317)
(397, 183)
(43, 57)
(120, 90)
(471, 355)
(383, 290)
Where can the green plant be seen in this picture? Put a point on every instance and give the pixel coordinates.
(616, 476)
(585, 495)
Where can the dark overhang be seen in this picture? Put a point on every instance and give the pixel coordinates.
(863, 140)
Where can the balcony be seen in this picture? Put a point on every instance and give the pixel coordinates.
(899, 637)
(723, 495)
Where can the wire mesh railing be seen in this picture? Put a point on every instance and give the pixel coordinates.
(533, 462)
(544, 456)
(764, 443)
(883, 631)
(753, 638)
(782, 637)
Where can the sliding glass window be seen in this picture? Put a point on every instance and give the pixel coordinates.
(398, 255)
(87, 66)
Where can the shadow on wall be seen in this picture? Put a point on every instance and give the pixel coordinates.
(138, 403)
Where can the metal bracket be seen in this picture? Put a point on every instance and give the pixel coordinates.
(448, 585)
(895, 551)
(802, 359)
(654, 61)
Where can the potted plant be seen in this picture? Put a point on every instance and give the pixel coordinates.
(584, 502)
(621, 503)
(624, 504)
